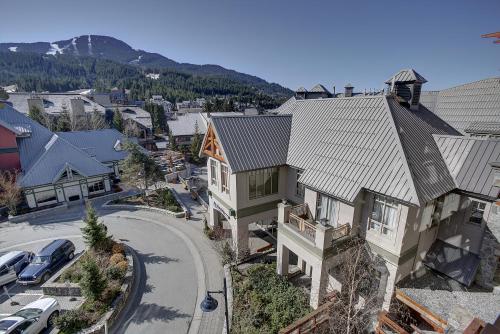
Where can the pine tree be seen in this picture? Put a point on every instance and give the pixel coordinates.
(37, 115)
(117, 120)
(93, 282)
(94, 233)
(171, 139)
(195, 143)
(63, 120)
(3, 94)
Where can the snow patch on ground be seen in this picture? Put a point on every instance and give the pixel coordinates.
(154, 76)
(73, 42)
(136, 61)
(13, 48)
(90, 45)
(54, 49)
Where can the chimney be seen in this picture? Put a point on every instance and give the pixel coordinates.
(334, 95)
(348, 90)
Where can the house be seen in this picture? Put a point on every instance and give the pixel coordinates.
(381, 168)
(182, 126)
(57, 167)
(159, 100)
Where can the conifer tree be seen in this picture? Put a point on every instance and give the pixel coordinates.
(94, 233)
(93, 282)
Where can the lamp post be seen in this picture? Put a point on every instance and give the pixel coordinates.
(209, 303)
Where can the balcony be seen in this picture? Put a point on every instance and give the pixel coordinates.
(299, 219)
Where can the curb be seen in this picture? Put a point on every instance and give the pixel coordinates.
(229, 286)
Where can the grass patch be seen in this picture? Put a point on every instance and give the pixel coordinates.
(265, 302)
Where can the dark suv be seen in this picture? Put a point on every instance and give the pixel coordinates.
(47, 261)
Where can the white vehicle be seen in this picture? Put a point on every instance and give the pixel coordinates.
(11, 264)
(31, 319)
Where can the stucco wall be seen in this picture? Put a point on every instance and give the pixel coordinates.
(9, 156)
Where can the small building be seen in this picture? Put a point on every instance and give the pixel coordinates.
(58, 167)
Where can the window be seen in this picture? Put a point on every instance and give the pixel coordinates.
(325, 210)
(263, 182)
(45, 196)
(477, 213)
(213, 172)
(96, 186)
(383, 216)
(299, 187)
(224, 178)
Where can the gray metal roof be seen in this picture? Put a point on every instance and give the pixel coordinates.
(469, 162)
(490, 128)
(406, 75)
(253, 142)
(137, 114)
(319, 88)
(99, 144)
(301, 90)
(53, 102)
(184, 124)
(463, 105)
(56, 156)
(345, 145)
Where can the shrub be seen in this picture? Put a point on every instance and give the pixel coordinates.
(110, 293)
(72, 321)
(118, 248)
(116, 258)
(115, 273)
(93, 282)
(72, 274)
(173, 208)
(123, 265)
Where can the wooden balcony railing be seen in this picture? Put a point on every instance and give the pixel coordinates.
(301, 220)
(341, 231)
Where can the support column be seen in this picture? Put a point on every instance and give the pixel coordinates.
(308, 269)
(319, 282)
(301, 264)
(239, 232)
(213, 219)
(283, 257)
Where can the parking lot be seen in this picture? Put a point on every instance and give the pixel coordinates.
(14, 296)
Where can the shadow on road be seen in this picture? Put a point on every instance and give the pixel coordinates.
(150, 258)
(147, 312)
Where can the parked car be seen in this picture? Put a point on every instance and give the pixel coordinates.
(11, 264)
(31, 319)
(47, 261)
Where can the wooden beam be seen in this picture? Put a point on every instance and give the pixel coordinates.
(434, 320)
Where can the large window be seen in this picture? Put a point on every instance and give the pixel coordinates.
(213, 172)
(383, 216)
(326, 210)
(98, 186)
(263, 182)
(477, 213)
(224, 178)
(45, 196)
(299, 187)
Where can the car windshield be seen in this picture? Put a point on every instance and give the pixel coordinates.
(6, 324)
(28, 313)
(41, 259)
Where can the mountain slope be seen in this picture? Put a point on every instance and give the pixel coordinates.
(110, 48)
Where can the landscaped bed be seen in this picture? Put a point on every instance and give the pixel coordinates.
(161, 198)
(264, 302)
(100, 273)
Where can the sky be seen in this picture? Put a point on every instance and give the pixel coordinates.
(293, 43)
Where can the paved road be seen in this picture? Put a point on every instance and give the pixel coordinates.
(177, 262)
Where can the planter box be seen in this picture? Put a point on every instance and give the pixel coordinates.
(54, 288)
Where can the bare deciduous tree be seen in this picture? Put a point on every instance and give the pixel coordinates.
(96, 120)
(10, 192)
(359, 299)
(131, 129)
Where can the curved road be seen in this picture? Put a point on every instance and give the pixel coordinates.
(176, 262)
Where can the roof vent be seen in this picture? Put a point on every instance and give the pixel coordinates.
(407, 85)
(348, 90)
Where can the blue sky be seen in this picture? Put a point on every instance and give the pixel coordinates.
(294, 43)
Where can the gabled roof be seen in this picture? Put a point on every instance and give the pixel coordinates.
(319, 88)
(253, 142)
(460, 106)
(406, 75)
(54, 102)
(99, 144)
(56, 154)
(301, 90)
(469, 161)
(346, 145)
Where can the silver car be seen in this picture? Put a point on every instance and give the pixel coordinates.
(11, 264)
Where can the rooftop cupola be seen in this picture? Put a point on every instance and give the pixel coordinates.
(301, 93)
(348, 90)
(407, 85)
(318, 92)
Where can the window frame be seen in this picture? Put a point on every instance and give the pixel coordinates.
(96, 186)
(378, 227)
(262, 179)
(213, 173)
(331, 209)
(477, 209)
(224, 176)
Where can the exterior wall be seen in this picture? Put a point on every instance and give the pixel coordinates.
(291, 189)
(9, 154)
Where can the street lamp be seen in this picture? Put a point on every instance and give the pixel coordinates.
(209, 303)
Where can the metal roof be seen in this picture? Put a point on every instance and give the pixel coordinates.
(137, 114)
(319, 88)
(469, 162)
(490, 128)
(53, 102)
(406, 75)
(184, 125)
(301, 90)
(253, 142)
(99, 144)
(463, 105)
